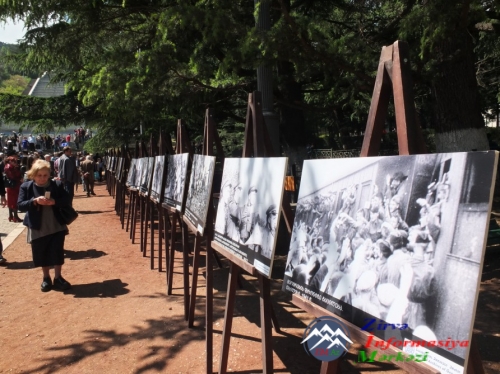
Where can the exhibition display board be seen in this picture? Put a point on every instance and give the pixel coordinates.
(200, 189)
(396, 242)
(158, 174)
(176, 181)
(248, 210)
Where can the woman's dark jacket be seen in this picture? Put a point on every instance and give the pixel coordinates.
(34, 215)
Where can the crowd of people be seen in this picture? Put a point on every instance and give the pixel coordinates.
(43, 142)
(26, 178)
(370, 257)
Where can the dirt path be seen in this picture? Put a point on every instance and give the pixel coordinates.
(118, 319)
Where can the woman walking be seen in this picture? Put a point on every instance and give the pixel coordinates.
(41, 198)
(14, 177)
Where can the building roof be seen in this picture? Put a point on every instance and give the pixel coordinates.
(41, 87)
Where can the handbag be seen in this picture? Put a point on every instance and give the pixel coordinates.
(9, 183)
(68, 214)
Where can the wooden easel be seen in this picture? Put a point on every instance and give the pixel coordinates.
(131, 204)
(210, 139)
(182, 146)
(164, 149)
(394, 75)
(153, 151)
(136, 205)
(256, 144)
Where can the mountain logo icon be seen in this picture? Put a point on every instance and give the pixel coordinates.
(326, 338)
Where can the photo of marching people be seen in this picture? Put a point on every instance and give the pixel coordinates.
(131, 173)
(397, 240)
(176, 181)
(249, 208)
(120, 165)
(147, 175)
(140, 165)
(157, 178)
(200, 188)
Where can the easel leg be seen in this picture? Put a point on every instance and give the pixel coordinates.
(146, 224)
(130, 208)
(134, 220)
(123, 198)
(194, 282)
(217, 259)
(171, 254)
(265, 322)
(161, 232)
(331, 367)
(141, 223)
(152, 212)
(474, 365)
(209, 309)
(185, 267)
(228, 317)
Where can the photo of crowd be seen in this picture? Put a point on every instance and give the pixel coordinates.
(147, 175)
(131, 173)
(140, 165)
(249, 207)
(390, 238)
(176, 180)
(156, 185)
(200, 188)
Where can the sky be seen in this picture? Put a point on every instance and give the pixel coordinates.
(10, 32)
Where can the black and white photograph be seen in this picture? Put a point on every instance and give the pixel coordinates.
(397, 240)
(120, 163)
(140, 165)
(156, 185)
(249, 209)
(108, 162)
(113, 164)
(131, 173)
(147, 176)
(200, 188)
(175, 185)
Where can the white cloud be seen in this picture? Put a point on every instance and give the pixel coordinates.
(10, 32)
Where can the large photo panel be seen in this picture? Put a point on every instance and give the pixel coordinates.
(200, 188)
(156, 185)
(147, 175)
(398, 241)
(141, 165)
(131, 173)
(175, 185)
(249, 209)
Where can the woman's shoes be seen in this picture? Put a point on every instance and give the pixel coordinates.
(17, 219)
(10, 219)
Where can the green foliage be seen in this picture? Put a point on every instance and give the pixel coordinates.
(14, 85)
(151, 62)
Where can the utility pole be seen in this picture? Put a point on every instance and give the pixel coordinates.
(265, 78)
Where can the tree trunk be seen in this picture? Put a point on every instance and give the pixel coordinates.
(459, 123)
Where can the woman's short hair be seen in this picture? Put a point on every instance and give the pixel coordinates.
(36, 167)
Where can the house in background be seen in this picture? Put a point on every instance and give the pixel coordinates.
(41, 87)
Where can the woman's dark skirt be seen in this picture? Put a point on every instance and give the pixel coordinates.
(49, 250)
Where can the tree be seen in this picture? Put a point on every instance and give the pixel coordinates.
(154, 61)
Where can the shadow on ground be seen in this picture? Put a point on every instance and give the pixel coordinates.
(83, 255)
(109, 288)
(172, 330)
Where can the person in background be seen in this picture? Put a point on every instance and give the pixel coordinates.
(68, 173)
(31, 143)
(87, 168)
(99, 167)
(40, 198)
(13, 173)
(3, 260)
